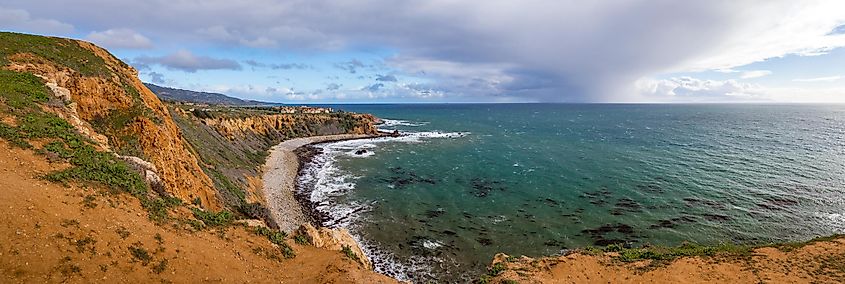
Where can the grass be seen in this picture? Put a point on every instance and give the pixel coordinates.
(301, 240)
(20, 96)
(221, 181)
(64, 52)
(492, 271)
(213, 219)
(347, 251)
(122, 232)
(663, 253)
(689, 249)
(278, 238)
(789, 246)
(139, 253)
(160, 267)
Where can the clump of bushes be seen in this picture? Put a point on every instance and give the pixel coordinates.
(278, 238)
(213, 219)
(347, 250)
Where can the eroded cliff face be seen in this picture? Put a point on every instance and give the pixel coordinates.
(108, 103)
(233, 144)
(293, 125)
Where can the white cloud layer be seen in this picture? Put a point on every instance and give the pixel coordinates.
(120, 38)
(755, 74)
(687, 89)
(19, 19)
(820, 79)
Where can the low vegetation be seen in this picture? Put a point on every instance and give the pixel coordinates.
(213, 219)
(347, 251)
(64, 52)
(278, 238)
(30, 126)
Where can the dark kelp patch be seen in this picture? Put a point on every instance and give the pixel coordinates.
(482, 187)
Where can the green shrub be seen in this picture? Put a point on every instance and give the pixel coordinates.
(497, 269)
(301, 240)
(214, 219)
(276, 237)
(160, 267)
(347, 250)
(139, 253)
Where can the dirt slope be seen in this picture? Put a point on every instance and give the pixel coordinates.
(816, 262)
(78, 234)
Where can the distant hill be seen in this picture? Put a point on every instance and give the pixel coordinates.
(179, 95)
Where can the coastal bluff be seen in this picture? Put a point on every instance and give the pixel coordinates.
(105, 182)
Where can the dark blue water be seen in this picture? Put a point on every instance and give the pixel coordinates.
(534, 179)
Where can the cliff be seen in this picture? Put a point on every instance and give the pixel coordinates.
(233, 144)
(100, 183)
(105, 101)
(821, 260)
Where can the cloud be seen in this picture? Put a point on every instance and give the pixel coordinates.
(373, 88)
(820, 79)
(386, 78)
(157, 78)
(350, 66)
(19, 19)
(687, 89)
(536, 50)
(333, 87)
(754, 74)
(186, 61)
(281, 66)
(838, 30)
(120, 38)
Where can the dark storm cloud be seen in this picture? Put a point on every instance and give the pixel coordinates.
(538, 50)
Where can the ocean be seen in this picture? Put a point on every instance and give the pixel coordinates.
(470, 180)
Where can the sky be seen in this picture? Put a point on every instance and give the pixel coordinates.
(389, 51)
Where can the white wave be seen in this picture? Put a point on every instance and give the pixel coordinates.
(328, 184)
(385, 122)
(835, 220)
(430, 244)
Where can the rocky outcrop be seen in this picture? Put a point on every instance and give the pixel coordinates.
(334, 239)
(104, 99)
(289, 125)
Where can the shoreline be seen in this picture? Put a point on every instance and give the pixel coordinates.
(281, 172)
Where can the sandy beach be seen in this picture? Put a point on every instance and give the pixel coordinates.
(280, 175)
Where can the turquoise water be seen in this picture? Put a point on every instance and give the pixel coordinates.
(536, 179)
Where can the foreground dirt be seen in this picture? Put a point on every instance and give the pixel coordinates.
(78, 234)
(818, 262)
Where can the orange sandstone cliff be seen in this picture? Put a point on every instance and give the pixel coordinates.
(101, 184)
(109, 103)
